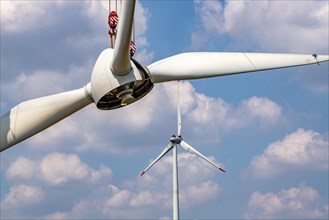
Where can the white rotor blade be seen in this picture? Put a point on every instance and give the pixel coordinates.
(198, 65)
(121, 57)
(30, 117)
(166, 150)
(190, 149)
(179, 118)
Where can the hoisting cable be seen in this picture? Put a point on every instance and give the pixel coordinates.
(274, 90)
(113, 20)
(109, 6)
(132, 43)
(133, 30)
(120, 5)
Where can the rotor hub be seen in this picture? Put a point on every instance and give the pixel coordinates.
(126, 96)
(111, 91)
(175, 139)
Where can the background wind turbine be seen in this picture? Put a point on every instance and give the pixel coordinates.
(174, 142)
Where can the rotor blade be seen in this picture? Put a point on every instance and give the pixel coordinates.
(121, 57)
(190, 149)
(179, 118)
(198, 65)
(30, 117)
(164, 152)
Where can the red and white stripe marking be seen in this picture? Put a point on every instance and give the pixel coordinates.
(132, 47)
(114, 19)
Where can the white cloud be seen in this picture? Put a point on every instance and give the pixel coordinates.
(143, 198)
(149, 196)
(103, 172)
(55, 169)
(294, 26)
(267, 26)
(207, 109)
(24, 85)
(206, 9)
(67, 131)
(21, 196)
(22, 168)
(299, 150)
(298, 202)
(118, 199)
(58, 168)
(220, 117)
(204, 192)
(260, 108)
(46, 82)
(23, 16)
(19, 16)
(195, 189)
(56, 215)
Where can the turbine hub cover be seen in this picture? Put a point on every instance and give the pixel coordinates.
(111, 91)
(175, 139)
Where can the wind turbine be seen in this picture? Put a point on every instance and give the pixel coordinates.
(118, 80)
(175, 141)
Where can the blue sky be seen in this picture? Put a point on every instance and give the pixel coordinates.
(269, 130)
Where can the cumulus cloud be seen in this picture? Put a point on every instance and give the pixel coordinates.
(22, 195)
(269, 26)
(58, 168)
(18, 16)
(22, 167)
(195, 189)
(52, 179)
(262, 108)
(207, 13)
(302, 149)
(220, 117)
(55, 169)
(205, 191)
(143, 195)
(22, 16)
(302, 202)
(149, 196)
(263, 24)
(45, 82)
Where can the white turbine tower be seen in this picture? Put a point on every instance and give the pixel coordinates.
(118, 80)
(173, 143)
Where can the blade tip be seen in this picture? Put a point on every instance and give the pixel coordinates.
(221, 169)
(142, 173)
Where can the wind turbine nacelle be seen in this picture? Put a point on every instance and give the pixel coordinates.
(110, 90)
